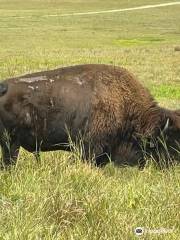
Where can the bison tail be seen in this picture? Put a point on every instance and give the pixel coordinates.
(3, 89)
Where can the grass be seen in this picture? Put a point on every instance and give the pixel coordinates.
(138, 42)
(61, 199)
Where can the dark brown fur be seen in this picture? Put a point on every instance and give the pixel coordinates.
(104, 105)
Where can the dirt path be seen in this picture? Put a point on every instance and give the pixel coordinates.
(115, 10)
(105, 11)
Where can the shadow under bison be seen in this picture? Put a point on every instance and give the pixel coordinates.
(102, 106)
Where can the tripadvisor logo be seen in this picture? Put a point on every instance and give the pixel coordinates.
(139, 231)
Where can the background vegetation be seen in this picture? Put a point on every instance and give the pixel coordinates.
(61, 199)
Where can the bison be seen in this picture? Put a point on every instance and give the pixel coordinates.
(103, 107)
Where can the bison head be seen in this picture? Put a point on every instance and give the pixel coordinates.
(163, 146)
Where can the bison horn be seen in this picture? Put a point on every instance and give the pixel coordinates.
(166, 126)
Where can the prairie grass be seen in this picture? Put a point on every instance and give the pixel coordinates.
(63, 198)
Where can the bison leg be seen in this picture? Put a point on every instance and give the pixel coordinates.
(96, 154)
(9, 154)
(102, 160)
(37, 156)
(141, 164)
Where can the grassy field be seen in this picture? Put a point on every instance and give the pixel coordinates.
(61, 199)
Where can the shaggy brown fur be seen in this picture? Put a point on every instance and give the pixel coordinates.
(105, 105)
